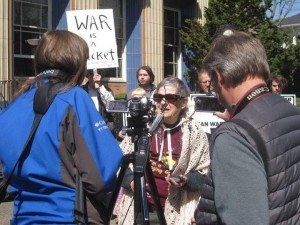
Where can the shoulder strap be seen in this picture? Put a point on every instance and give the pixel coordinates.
(42, 100)
(261, 148)
(80, 204)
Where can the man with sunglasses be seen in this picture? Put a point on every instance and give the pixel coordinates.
(179, 157)
(254, 175)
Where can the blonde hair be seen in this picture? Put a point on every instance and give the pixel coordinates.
(138, 93)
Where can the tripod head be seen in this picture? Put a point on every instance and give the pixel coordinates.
(141, 112)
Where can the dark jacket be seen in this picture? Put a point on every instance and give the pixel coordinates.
(278, 122)
(108, 118)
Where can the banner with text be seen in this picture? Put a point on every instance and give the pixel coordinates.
(291, 98)
(97, 28)
(205, 106)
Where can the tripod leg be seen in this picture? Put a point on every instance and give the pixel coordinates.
(127, 159)
(155, 195)
(141, 213)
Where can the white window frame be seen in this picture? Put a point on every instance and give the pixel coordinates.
(123, 72)
(179, 60)
(49, 26)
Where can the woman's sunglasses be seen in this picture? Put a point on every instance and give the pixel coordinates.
(170, 98)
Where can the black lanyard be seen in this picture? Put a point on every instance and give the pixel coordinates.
(251, 95)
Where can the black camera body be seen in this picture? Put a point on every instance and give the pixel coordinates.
(207, 103)
(140, 111)
(139, 107)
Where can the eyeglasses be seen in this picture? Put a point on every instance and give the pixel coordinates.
(210, 87)
(170, 98)
(205, 82)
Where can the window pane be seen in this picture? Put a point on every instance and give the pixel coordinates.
(23, 67)
(169, 18)
(120, 49)
(169, 36)
(30, 15)
(17, 46)
(168, 54)
(44, 17)
(176, 19)
(119, 27)
(27, 49)
(17, 13)
(168, 69)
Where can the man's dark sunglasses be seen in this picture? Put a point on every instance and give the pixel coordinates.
(168, 97)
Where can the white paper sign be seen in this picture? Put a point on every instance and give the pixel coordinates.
(97, 28)
(290, 97)
(208, 105)
(208, 121)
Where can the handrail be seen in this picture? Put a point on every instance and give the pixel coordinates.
(7, 88)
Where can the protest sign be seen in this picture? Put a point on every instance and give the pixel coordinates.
(205, 106)
(290, 97)
(97, 28)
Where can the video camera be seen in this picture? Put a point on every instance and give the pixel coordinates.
(141, 113)
(207, 103)
(141, 110)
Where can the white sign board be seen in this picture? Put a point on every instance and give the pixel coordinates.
(208, 120)
(97, 28)
(290, 97)
(205, 106)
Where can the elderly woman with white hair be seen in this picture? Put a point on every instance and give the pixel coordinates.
(179, 148)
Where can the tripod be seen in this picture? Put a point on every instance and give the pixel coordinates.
(139, 158)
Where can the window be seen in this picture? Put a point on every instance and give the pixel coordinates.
(30, 22)
(171, 42)
(118, 7)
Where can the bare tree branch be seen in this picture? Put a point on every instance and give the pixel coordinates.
(280, 9)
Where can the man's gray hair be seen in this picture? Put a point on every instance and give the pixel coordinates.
(237, 56)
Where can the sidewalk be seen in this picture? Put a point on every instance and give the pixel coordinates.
(6, 212)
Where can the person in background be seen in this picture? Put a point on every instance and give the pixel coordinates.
(101, 95)
(277, 84)
(138, 93)
(179, 148)
(145, 77)
(71, 137)
(204, 82)
(206, 88)
(248, 184)
(135, 93)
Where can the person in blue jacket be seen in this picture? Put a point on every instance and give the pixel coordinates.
(72, 136)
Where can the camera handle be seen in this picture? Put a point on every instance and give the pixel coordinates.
(141, 163)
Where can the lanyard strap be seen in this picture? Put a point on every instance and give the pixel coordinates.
(251, 95)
